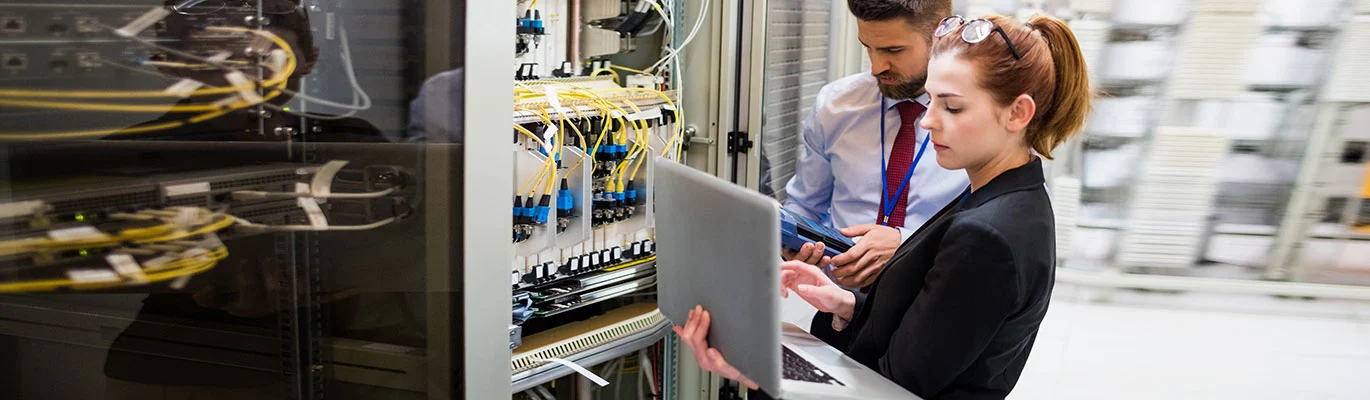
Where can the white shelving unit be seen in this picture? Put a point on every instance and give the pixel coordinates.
(1261, 88)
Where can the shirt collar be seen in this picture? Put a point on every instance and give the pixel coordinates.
(1026, 177)
(923, 99)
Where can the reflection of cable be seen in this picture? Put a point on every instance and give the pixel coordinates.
(278, 80)
(186, 266)
(358, 93)
(310, 228)
(165, 231)
(259, 195)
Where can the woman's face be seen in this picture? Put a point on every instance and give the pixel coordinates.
(967, 125)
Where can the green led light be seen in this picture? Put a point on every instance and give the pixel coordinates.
(84, 253)
(287, 108)
(80, 217)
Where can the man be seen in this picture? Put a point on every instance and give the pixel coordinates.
(847, 177)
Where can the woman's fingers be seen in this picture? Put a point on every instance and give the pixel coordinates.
(727, 370)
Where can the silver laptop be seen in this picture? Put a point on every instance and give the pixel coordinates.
(718, 245)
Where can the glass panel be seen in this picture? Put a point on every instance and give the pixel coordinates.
(797, 66)
(230, 198)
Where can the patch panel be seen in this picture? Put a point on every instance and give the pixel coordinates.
(36, 20)
(84, 61)
(554, 271)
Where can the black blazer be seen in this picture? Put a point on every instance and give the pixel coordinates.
(955, 312)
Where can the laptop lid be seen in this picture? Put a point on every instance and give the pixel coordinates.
(718, 245)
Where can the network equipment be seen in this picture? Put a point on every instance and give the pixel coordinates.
(591, 113)
(128, 229)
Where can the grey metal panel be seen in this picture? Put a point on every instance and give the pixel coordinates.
(798, 34)
(485, 334)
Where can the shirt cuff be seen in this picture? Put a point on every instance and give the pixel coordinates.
(904, 234)
(839, 323)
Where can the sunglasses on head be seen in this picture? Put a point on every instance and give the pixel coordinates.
(976, 31)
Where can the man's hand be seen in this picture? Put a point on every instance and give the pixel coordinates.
(695, 336)
(814, 287)
(860, 266)
(809, 253)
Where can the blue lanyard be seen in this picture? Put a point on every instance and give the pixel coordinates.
(884, 175)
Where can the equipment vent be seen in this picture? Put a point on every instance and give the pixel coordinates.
(586, 342)
(114, 201)
(253, 182)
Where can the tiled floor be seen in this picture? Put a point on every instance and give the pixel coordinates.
(1132, 345)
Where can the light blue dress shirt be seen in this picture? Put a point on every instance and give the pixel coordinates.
(837, 180)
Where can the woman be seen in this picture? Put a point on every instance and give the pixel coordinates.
(956, 310)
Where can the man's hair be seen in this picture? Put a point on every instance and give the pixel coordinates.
(922, 14)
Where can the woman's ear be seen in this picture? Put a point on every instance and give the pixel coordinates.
(1020, 113)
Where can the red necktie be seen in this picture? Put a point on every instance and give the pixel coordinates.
(901, 159)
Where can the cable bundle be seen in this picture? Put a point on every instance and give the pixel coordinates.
(180, 242)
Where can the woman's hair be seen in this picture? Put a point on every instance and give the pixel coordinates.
(1051, 71)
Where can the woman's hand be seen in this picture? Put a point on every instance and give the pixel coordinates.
(695, 336)
(813, 286)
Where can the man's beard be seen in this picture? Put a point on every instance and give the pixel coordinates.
(899, 91)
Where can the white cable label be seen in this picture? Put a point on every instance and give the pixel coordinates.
(185, 217)
(180, 283)
(514, 278)
(315, 214)
(246, 89)
(140, 24)
(220, 56)
(184, 87)
(547, 138)
(161, 260)
(92, 276)
(580, 370)
(277, 60)
(195, 252)
(185, 189)
(322, 184)
(211, 241)
(260, 45)
(652, 113)
(555, 100)
(127, 267)
(21, 208)
(77, 233)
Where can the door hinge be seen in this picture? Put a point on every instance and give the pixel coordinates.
(738, 142)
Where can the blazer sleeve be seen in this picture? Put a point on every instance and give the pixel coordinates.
(968, 293)
(821, 327)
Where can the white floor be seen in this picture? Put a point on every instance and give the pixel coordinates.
(1132, 345)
